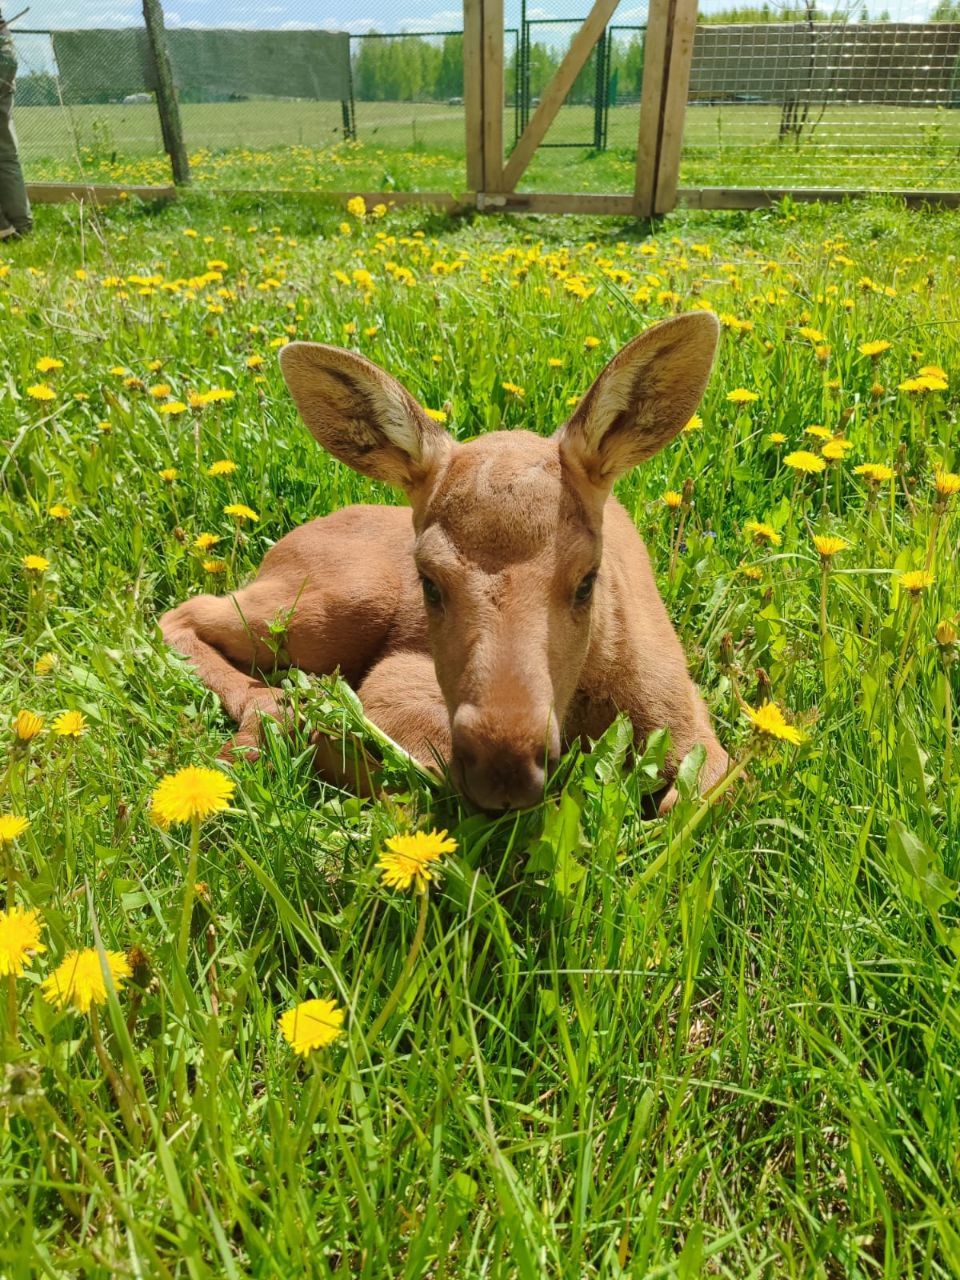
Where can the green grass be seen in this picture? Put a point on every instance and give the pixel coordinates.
(722, 1044)
(420, 146)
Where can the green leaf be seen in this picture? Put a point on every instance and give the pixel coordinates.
(918, 869)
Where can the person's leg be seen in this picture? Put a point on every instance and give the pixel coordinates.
(14, 205)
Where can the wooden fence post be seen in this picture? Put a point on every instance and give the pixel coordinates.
(473, 90)
(667, 58)
(167, 105)
(493, 95)
(655, 54)
(675, 103)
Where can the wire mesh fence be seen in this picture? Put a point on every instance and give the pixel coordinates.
(771, 104)
(824, 104)
(85, 114)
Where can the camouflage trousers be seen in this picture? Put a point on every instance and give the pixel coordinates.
(14, 205)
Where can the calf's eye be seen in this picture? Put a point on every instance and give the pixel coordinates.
(585, 588)
(431, 592)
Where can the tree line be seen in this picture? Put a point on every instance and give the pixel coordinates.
(416, 68)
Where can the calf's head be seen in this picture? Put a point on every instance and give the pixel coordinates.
(508, 532)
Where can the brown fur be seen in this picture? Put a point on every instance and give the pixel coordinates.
(507, 668)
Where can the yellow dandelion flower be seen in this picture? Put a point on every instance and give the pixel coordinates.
(70, 724)
(924, 382)
(946, 483)
(751, 571)
(191, 793)
(875, 348)
(945, 633)
(12, 825)
(874, 473)
(205, 541)
(215, 566)
(770, 722)
(19, 940)
(36, 564)
(836, 450)
(27, 724)
(802, 460)
(41, 391)
(742, 395)
(811, 335)
(820, 433)
(160, 392)
(172, 408)
(762, 532)
(47, 364)
(45, 664)
(59, 511)
(829, 546)
(695, 423)
(513, 389)
(776, 437)
(254, 361)
(914, 581)
(591, 343)
(933, 371)
(168, 474)
(239, 511)
(222, 467)
(437, 415)
(78, 979)
(357, 206)
(406, 862)
(672, 499)
(314, 1024)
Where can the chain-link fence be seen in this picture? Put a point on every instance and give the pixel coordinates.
(824, 104)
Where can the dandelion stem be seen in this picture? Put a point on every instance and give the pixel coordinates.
(117, 1086)
(932, 542)
(689, 827)
(904, 663)
(12, 1033)
(675, 554)
(189, 892)
(394, 998)
(948, 726)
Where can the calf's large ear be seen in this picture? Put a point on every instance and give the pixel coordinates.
(643, 398)
(362, 415)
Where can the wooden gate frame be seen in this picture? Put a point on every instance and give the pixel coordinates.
(668, 53)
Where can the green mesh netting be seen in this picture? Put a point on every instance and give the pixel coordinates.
(209, 65)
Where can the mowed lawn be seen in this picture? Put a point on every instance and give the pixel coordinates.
(420, 146)
(725, 1043)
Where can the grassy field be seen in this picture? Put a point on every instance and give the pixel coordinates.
(725, 1043)
(419, 146)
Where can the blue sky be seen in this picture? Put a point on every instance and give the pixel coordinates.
(356, 16)
(351, 15)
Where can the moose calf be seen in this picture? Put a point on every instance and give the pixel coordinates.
(509, 611)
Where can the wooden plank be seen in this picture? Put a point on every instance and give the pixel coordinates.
(95, 193)
(552, 98)
(167, 106)
(493, 95)
(683, 30)
(473, 90)
(763, 197)
(655, 55)
(590, 202)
